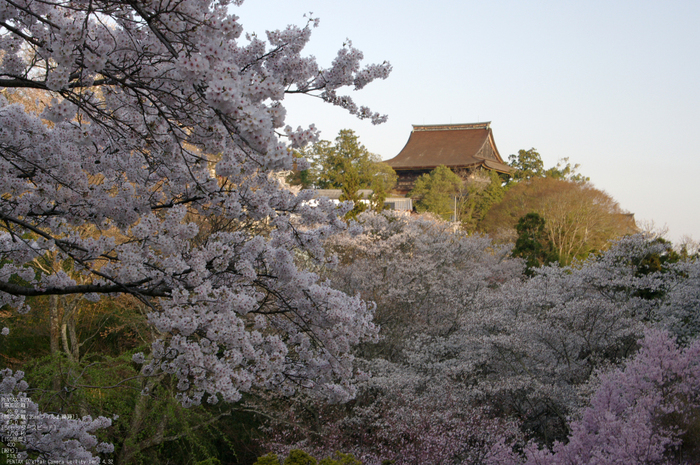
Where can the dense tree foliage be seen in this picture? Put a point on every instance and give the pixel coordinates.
(480, 192)
(436, 192)
(147, 175)
(349, 166)
(580, 219)
(464, 197)
(532, 243)
(332, 163)
(646, 411)
(424, 277)
(528, 164)
(160, 286)
(299, 457)
(469, 340)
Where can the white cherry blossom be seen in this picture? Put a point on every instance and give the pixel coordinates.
(162, 115)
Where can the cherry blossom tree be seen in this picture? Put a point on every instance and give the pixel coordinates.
(396, 419)
(421, 273)
(54, 438)
(469, 339)
(457, 312)
(424, 276)
(680, 311)
(161, 115)
(643, 412)
(528, 346)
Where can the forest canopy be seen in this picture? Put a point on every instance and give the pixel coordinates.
(165, 297)
(579, 219)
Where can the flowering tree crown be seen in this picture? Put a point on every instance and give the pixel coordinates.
(161, 116)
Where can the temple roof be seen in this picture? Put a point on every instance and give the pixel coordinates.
(452, 145)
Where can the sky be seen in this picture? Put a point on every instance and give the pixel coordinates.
(613, 85)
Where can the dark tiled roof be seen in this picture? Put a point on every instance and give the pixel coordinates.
(452, 145)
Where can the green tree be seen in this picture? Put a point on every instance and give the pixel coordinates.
(533, 244)
(383, 180)
(566, 171)
(350, 185)
(436, 192)
(479, 193)
(297, 177)
(349, 166)
(299, 457)
(528, 165)
(331, 164)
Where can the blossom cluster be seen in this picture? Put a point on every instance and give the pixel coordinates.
(150, 169)
(462, 323)
(55, 438)
(639, 413)
(414, 408)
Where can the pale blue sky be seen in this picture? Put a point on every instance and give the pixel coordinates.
(613, 85)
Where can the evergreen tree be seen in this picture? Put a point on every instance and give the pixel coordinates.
(349, 166)
(528, 164)
(532, 243)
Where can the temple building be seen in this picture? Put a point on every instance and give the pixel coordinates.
(464, 148)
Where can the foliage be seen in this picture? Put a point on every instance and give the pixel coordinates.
(332, 163)
(580, 219)
(349, 166)
(646, 411)
(480, 192)
(350, 188)
(268, 459)
(680, 308)
(532, 243)
(536, 342)
(340, 459)
(454, 314)
(436, 192)
(46, 436)
(424, 277)
(566, 172)
(299, 457)
(146, 186)
(102, 380)
(301, 177)
(391, 423)
(528, 165)
(383, 181)
(421, 274)
(161, 116)
(471, 345)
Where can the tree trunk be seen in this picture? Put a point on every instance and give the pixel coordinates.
(54, 324)
(54, 331)
(71, 345)
(131, 446)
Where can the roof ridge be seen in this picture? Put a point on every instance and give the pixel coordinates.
(451, 127)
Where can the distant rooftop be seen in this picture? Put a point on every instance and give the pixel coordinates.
(453, 145)
(392, 203)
